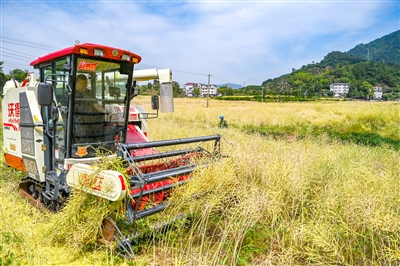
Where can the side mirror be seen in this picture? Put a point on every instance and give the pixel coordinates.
(114, 91)
(67, 66)
(134, 90)
(45, 94)
(155, 102)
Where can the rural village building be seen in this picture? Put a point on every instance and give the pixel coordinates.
(210, 90)
(188, 88)
(378, 92)
(340, 89)
(203, 88)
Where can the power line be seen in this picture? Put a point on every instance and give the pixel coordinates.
(192, 73)
(14, 57)
(12, 64)
(175, 70)
(25, 43)
(28, 43)
(33, 56)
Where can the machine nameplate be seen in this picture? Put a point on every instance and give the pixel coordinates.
(83, 65)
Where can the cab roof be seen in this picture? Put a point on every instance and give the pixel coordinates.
(109, 52)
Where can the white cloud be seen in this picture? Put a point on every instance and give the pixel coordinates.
(234, 41)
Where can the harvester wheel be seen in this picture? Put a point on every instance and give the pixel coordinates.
(108, 230)
(111, 232)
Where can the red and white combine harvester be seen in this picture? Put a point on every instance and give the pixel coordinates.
(54, 128)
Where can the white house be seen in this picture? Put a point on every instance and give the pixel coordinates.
(340, 89)
(189, 87)
(203, 88)
(378, 92)
(208, 90)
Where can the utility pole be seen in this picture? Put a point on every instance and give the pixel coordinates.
(208, 88)
(262, 93)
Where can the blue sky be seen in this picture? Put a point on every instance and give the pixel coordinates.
(241, 42)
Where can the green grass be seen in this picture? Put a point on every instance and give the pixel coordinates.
(300, 131)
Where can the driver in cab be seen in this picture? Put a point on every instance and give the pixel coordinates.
(82, 92)
(88, 115)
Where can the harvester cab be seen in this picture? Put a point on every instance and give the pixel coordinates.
(80, 110)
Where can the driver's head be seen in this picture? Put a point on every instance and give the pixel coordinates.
(81, 82)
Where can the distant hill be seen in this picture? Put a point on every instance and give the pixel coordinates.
(385, 49)
(353, 67)
(334, 59)
(233, 86)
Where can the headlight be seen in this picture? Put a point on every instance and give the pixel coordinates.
(126, 57)
(98, 52)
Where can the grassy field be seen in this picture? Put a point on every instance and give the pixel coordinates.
(303, 183)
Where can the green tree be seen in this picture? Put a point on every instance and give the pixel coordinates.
(3, 77)
(225, 91)
(339, 73)
(368, 90)
(300, 87)
(344, 80)
(318, 88)
(176, 89)
(156, 86)
(353, 91)
(19, 74)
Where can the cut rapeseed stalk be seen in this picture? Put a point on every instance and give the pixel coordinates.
(80, 222)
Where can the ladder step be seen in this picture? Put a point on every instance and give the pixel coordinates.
(48, 195)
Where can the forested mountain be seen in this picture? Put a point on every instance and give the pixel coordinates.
(348, 67)
(385, 49)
